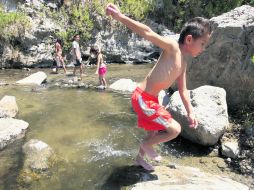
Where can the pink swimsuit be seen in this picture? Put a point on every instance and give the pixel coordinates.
(102, 69)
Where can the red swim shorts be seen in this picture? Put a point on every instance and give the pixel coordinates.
(151, 115)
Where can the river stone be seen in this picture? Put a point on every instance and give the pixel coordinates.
(209, 106)
(125, 85)
(8, 106)
(34, 79)
(228, 59)
(37, 155)
(10, 130)
(230, 149)
(187, 178)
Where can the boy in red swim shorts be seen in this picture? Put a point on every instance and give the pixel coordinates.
(170, 67)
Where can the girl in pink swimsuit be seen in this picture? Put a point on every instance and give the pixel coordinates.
(101, 66)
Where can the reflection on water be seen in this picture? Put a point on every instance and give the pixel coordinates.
(10, 4)
(92, 131)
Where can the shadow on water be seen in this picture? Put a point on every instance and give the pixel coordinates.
(127, 176)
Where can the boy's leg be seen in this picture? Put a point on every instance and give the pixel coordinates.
(171, 132)
(150, 134)
(140, 160)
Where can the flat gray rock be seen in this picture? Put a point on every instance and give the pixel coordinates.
(187, 178)
(34, 79)
(10, 130)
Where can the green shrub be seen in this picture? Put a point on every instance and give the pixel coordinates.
(12, 24)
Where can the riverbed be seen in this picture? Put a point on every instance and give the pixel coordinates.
(93, 131)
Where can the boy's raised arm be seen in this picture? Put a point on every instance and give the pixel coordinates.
(143, 30)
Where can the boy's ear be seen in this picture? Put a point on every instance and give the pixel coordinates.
(188, 39)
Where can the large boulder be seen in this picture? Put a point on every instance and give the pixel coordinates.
(11, 130)
(228, 60)
(8, 107)
(210, 107)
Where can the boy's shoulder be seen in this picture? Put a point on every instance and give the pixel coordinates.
(173, 45)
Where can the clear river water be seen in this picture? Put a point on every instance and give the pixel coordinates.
(93, 132)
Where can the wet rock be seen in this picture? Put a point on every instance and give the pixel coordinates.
(34, 79)
(11, 130)
(37, 155)
(124, 85)
(246, 166)
(230, 149)
(183, 178)
(8, 107)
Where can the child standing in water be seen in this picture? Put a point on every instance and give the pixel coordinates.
(58, 55)
(76, 56)
(170, 67)
(101, 66)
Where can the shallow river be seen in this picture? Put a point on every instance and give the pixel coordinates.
(93, 132)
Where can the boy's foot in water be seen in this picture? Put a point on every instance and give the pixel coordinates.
(150, 152)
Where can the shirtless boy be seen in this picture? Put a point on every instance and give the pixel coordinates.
(59, 56)
(171, 67)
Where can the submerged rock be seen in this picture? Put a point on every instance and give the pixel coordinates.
(37, 155)
(8, 106)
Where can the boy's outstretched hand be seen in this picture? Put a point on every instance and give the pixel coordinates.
(193, 122)
(112, 10)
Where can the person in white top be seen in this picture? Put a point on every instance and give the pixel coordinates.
(76, 54)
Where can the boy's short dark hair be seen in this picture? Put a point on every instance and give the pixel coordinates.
(196, 27)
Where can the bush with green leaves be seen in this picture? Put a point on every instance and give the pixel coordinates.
(174, 13)
(81, 21)
(12, 24)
